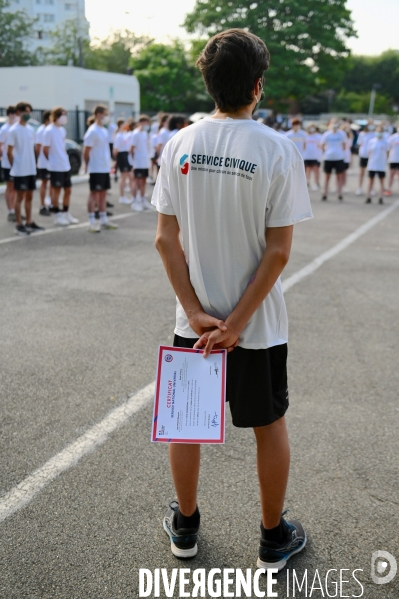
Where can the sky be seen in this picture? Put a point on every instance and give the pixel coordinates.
(376, 21)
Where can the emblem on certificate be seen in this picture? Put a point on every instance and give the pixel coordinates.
(190, 396)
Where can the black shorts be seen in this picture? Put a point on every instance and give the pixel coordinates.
(380, 174)
(346, 166)
(334, 165)
(141, 173)
(256, 385)
(6, 174)
(27, 183)
(394, 166)
(111, 148)
(43, 174)
(62, 179)
(123, 162)
(363, 162)
(312, 163)
(99, 181)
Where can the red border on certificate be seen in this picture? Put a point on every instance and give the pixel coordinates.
(168, 349)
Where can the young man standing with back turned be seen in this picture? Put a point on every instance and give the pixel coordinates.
(231, 190)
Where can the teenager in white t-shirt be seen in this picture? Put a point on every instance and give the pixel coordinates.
(393, 159)
(59, 166)
(97, 157)
(12, 118)
(228, 194)
(153, 152)
(122, 145)
(141, 160)
(345, 127)
(378, 148)
(311, 156)
(42, 165)
(175, 124)
(21, 155)
(333, 144)
(298, 136)
(362, 141)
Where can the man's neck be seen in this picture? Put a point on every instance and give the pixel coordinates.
(98, 122)
(244, 113)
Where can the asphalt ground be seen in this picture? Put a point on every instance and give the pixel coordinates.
(82, 317)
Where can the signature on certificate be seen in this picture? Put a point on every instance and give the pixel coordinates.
(216, 369)
(215, 420)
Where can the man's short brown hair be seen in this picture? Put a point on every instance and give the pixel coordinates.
(23, 106)
(56, 113)
(100, 109)
(230, 64)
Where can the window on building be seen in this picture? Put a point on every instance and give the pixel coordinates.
(47, 18)
(38, 1)
(69, 7)
(49, 2)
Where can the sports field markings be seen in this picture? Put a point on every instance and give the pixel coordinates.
(26, 490)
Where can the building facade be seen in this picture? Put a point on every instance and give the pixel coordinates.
(50, 14)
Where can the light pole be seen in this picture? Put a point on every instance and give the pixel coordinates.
(372, 98)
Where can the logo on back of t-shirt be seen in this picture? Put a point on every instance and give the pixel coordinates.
(184, 164)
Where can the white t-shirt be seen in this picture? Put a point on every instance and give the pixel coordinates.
(54, 138)
(96, 138)
(333, 140)
(122, 141)
(348, 145)
(42, 161)
(378, 154)
(312, 151)
(163, 138)
(5, 163)
(299, 139)
(226, 181)
(393, 143)
(362, 142)
(22, 138)
(139, 140)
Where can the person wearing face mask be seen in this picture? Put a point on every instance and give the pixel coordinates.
(393, 145)
(345, 127)
(21, 155)
(59, 166)
(333, 143)
(97, 157)
(141, 160)
(311, 156)
(122, 146)
(5, 163)
(298, 136)
(363, 140)
(42, 165)
(378, 157)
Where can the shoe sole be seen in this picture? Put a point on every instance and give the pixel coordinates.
(280, 565)
(180, 553)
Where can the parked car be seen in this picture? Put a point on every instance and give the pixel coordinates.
(73, 149)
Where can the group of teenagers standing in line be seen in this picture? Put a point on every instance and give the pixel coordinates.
(378, 146)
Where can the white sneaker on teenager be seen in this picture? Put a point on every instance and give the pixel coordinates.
(71, 219)
(125, 200)
(315, 187)
(373, 192)
(359, 191)
(94, 227)
(137, 206)
(146, 204)
(60, 219)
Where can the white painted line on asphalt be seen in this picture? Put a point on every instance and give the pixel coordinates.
(336, 249)
(25, 491)
(59, 229)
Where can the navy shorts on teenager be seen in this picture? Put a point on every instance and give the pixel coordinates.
(27, 183)
(122, 161)
(312, 163)
(380, 174)
(141, 173)
(99, 181)
(6, 175)
(394, 166)
(363, 162)
(334, 165)
(60, 179)
(43, 174)
(256, 385)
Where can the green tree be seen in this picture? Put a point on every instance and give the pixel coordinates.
(114, 54)
(306, 40)
(16, 30)
(359, 102)
(169, 80)
(365, 71)
(64, 48)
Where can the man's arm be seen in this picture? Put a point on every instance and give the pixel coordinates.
(46, 150)
(10, 154)
(275, 258)
(86, 156)
(169, 247)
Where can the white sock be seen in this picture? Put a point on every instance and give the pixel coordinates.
(103, 217)
(92, 218)
(12, 211)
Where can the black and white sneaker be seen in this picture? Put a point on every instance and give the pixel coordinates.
(44, 211)
(22, 231)
(275, 555)
(183, 541)
(33, 228)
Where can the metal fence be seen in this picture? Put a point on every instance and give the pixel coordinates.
(76, 126)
